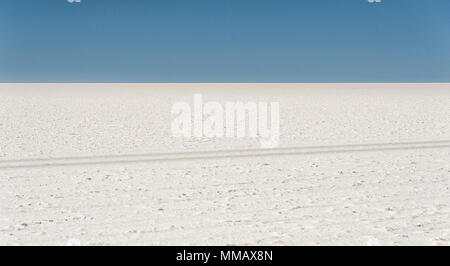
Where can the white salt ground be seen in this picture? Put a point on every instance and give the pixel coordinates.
(364, 164)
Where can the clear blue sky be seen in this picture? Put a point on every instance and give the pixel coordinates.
(225, 41)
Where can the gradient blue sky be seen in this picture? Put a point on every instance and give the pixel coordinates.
(225, 41)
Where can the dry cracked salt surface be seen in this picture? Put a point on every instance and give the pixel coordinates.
(95, 164)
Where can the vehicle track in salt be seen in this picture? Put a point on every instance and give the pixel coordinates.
(218, 154)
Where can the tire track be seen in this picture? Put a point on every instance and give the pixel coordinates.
(219, 154)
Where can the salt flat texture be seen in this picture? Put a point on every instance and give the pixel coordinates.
(96, 164)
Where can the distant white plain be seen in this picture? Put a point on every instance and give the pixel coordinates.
(96, 164)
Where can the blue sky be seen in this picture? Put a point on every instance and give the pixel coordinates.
(225, 41)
